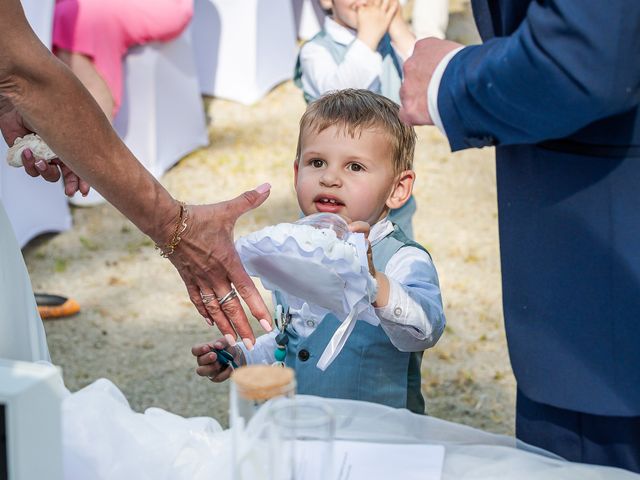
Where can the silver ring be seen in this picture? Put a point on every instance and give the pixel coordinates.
(229, 296)
(207, 298)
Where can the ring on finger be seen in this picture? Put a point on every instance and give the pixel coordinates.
(229, 296)
(207, 298)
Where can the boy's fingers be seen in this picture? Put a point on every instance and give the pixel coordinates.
(201, 349)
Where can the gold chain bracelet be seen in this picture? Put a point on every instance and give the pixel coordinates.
(168, 248)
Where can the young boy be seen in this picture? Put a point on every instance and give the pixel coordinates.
(354, 158)
(362, 45)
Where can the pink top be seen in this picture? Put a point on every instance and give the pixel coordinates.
(104, 30)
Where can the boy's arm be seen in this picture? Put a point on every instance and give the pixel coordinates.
(402, 37)
(413, 315)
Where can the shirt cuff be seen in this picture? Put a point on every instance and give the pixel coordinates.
(395, 311)
(434, 87)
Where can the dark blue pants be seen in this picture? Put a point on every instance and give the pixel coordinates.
(579, 437)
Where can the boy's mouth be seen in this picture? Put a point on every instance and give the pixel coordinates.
(327, 203)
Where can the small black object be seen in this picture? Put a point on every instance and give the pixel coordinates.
(225, 358)
(282, 339)
(304, 355)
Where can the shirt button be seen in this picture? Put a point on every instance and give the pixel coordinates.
(311, 323)
(303, 355)
(397, 311)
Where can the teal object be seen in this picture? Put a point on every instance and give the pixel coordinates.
(280, 354)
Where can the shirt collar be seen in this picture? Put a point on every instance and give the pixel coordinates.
(337, 32)
(380, 230)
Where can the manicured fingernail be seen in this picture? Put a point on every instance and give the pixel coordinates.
(230, 340)
(28, 154)
(265, 187)
(248, 343)
(41, 165)
(208, 320)
(265, 325)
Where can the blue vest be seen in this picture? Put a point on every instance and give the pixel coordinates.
(390, 77)
(369, 367)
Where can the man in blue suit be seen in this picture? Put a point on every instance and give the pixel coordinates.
(556, 88)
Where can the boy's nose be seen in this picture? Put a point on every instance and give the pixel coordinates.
(330, 179)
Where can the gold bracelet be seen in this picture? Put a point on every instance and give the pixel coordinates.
(168, 248)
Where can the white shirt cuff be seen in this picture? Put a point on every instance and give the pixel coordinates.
(434, 86)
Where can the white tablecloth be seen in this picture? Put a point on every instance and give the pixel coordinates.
(105, 439)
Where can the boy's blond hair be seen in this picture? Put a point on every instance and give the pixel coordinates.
(356, 110)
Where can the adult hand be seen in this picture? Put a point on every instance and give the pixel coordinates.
(373, 19)
(208, 263)
(13, 126)
(207, 359)
(418, 70)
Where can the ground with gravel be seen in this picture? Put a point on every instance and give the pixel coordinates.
(137, 325)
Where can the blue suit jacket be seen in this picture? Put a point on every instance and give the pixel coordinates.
(556, 87)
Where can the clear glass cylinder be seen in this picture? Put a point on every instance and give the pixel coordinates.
(251, 387)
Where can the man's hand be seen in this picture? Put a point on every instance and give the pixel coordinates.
(208, 263)
(13, 126)
(418, 70)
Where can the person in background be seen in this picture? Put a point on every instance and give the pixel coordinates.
(39, 94)
(93, 36)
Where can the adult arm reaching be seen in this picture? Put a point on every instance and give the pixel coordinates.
(39, 93)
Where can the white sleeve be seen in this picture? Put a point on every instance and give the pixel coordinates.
(360, 67)
(414, 315)
(434, 86)
(263, 351)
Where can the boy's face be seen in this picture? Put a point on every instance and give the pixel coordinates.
(352, 177)
(343, 12)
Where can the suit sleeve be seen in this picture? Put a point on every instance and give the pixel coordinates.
(568, 64)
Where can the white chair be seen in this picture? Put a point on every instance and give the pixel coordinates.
(162, 116)
(33, 205)
(243, 48)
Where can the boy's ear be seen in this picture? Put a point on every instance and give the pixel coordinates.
(295, 174)
(402, 189)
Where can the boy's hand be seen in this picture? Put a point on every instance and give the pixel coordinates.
(374, 19)
(364, 227)
(208, 364)
(382, 297)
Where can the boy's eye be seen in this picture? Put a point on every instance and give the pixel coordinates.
(317, 163)
(355, 167)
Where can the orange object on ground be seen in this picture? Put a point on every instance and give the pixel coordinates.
(56, 306)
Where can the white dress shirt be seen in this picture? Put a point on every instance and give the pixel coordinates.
(434, 86)
(413, 317)
(361, 67)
